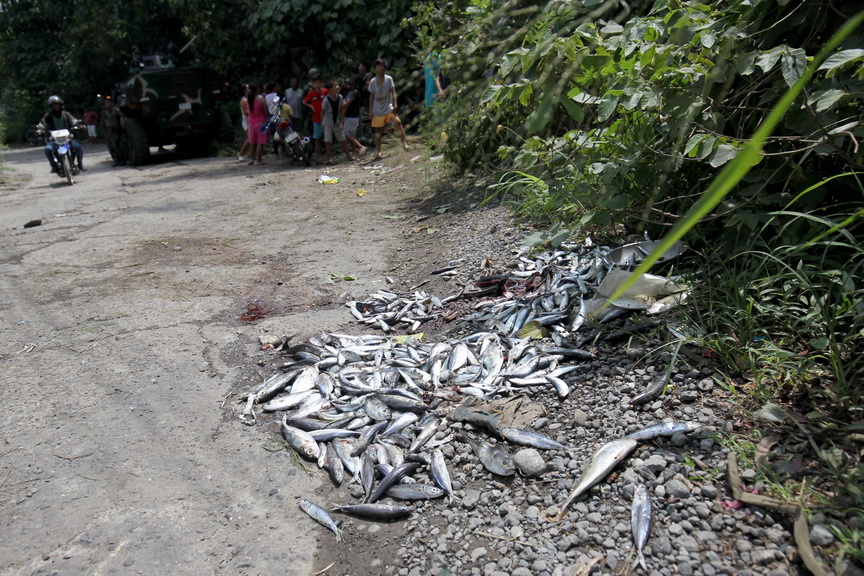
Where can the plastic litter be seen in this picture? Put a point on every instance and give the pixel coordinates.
(325, 179)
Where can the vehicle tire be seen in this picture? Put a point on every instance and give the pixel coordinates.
(134, 142)
(67, 169)
(300, 152)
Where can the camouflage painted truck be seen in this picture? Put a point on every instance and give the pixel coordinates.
(165, 105)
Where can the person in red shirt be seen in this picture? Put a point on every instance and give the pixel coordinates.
(314, 100)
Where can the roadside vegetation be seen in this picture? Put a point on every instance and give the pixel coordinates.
(610, 119)
(603, 116)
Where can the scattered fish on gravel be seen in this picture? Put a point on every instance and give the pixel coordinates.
(664, 429)
(601, 463)
(640, 523)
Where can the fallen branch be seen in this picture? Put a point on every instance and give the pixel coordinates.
(800, 532)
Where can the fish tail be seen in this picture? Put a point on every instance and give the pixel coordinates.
(640, 561)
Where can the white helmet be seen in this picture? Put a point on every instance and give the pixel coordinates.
(55, 100)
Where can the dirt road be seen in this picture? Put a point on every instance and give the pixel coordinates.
(121, 336)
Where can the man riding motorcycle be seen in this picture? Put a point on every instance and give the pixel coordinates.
(59, 119)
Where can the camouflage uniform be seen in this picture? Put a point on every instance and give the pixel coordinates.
(111, 121)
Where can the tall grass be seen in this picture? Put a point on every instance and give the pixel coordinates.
(787, 307)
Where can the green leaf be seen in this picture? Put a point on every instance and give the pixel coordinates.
(839, 59)
(722, 154)
(540, 117)
(608, 105)
(559, 237)
(532, 331)
(793, 64)
(767, 60)
(535, 240)
(491, 93)
(740, 166)
(823, 100)
(576, 112)
(692, 145)
(819, 343)
(618, 202)
(747, 63)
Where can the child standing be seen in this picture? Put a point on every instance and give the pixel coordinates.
(333, 119)
(383, 106)
(314, 100)
(352, 115)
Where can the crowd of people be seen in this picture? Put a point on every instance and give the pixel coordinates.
(328, 110)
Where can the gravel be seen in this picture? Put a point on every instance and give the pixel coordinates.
(498, 525)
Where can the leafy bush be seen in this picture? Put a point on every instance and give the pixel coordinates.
(627, 118)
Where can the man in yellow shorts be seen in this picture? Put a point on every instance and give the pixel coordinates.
(383, 107)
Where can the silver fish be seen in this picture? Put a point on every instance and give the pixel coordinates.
(529, 438)
(640, 522)
(334, 465)
(664, 429)
(376, 409)
(424, 435)
(403, 421)
(440, 473)
(366, 437)
(377, 511)
(343, 450)
(493, 458)
(321, 516)
(305, 380)
(367, 473)
(415, 492)
(285, 401)
(392, 478)
(300, 441)
(600, 464)
(327, 434)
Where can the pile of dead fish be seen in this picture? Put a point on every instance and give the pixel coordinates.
(387, 310)
(376, 410)
(558, 290)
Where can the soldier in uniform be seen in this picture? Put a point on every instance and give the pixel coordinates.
(112, 121)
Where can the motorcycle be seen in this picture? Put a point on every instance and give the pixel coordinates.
(63, 153)
(295, 147)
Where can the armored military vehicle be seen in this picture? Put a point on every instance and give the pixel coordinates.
(164, 104)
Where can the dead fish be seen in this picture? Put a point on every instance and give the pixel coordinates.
(600, 464)
(440, 473)
(493, 458)
(425, 434)
(377, 511)
(664, 429)
(392, 478)
(529, 438)
(285, 401)
(321, 516)
(376, 409)
(640, 523)
(367, 473)
(343, 450)
(651, 393)
(366, 437)
(415, 492)
(327, 434)
(403, 421)
(300, 441)
(334, 465)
